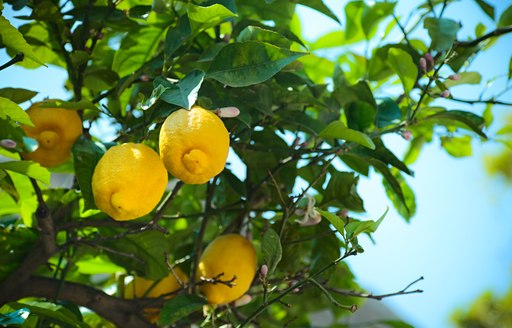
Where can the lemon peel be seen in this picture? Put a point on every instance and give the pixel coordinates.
(128, 181)
(143, 288)
(194, 145)
(232, 256)
(56, 130)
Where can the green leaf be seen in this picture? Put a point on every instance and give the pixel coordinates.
(338, 130)
(176, 36)
(510, 69)
(179, 307)
(442, 31)
(465, 78)
(353, 13)
(457, 146)
(328, 40)
(465, 119)
(251, 62)
(399, 192)
(394, 324)
(86, 154)
(360, 115)
(142, 253)
(202, 18)
(17, 95)
(388, 113)
(136, 48)
(335, 220)
(28, 168)
(382, 155)
(271, 250)
(487, 8)
(373, 14)
(355, 228)
(319, 6)
(341, 191)
(184, 93)
(506, 18)
(402, 64)
(255, 33)
(52, 312)
(10, 110)
(97, 265)
(7, 185)
(13, 39)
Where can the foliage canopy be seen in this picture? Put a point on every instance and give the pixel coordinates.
(312, 120)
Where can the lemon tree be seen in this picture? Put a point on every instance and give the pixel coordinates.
(222, 138)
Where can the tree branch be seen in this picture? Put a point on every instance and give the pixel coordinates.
(122, 313)
(480, 101)
(404, 291)
(492, 34)
(19, 57)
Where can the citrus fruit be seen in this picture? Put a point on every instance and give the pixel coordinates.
(232, 256)
(143, 288)
(194, 145)
(128, 181)
(56, 130)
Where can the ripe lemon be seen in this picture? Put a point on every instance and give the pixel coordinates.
(194, 145)
(143, 288)
(128, 181)
(232, 255)
(56, 130)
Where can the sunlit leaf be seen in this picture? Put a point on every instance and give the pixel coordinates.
(17, 95)
(28, 168)
(338, 130)
(402, 64)
(10, 110)
(13, 39)
(246, 63)
(442, 31)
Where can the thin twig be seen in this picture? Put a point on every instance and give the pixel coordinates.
(19, 57)
(492, 34)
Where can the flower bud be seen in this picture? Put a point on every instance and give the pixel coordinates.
(423, 64)
(264, 270)
(407, 135)
(8, 143)
(454, 77)
(228, 112)
(430, 59)
(445, 93)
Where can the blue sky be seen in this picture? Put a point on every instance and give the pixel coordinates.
(460, 239)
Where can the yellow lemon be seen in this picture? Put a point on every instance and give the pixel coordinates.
(232, 256)
(56, 130)
(143, 288)
(194, 145)
(128, 181)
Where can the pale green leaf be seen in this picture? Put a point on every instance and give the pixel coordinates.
(13, 39)
(338, 130)
(402, 64)
(28, 168)
(10, 110)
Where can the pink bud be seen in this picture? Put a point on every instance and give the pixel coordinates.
(423, 64)
(264, 270)
(228, 112)
(144, 78)
(8, 143)
(343, 213)
(226, 37)
(429, 59)
(407, 135)
(445, 93)
(454, 77)
(296, 290)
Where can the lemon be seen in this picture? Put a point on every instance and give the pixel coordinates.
(56, 130)
(194, 145)
(128, 181)
(143, 288)
(233, 256)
